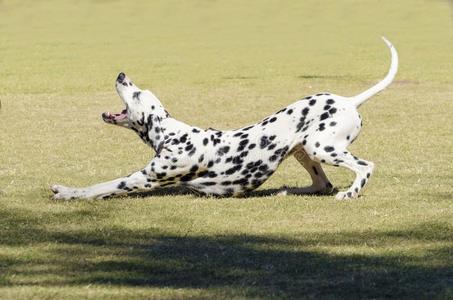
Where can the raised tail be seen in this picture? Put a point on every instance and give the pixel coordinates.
(361, 98)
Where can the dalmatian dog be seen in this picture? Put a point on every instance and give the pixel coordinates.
(317, 129)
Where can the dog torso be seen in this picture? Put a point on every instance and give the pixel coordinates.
(232, 162)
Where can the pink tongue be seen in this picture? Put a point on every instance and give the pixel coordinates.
(122, 115)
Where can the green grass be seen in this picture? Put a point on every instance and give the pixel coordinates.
(223, 64)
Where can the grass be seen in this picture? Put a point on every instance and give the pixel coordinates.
(223, 64)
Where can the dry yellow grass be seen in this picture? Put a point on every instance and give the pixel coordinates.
(223, 64)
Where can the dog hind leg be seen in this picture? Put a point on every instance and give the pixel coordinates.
(362, 168)
(320, 185)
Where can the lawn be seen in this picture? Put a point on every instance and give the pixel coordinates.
(223, 64)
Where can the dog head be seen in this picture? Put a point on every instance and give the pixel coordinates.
(143, 111)
(140, 104)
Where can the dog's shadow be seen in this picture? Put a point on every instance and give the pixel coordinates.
(184, 191)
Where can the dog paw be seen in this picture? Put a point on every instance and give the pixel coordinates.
(345, 195)
(282, 193)
(64, 193)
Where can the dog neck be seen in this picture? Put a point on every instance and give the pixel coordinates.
(151, 132)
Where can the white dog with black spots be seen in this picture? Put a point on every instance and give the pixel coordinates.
(317, 129)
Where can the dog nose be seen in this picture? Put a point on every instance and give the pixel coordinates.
(121, 77)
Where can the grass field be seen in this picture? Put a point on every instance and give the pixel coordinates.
(223, 64)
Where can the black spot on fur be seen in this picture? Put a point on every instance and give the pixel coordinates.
(216, 141)
(301, 124)
(290, 111)
(281, 151)
(242, 144)
(263, 168)
(136, 95)
(312, 102)
(324, 116)
(333, 123)
(161, 175)
(305, 111)
(183, 138)
(361, 162)
(211, 174)
(122, 185)
(233, 169)
(192, 152)
(223, 150)
(237, 160)
(330, 101)
(272, 120)
(242, 181)
(187, 177)
(202, 173)
(205, 141)
(362, 183)
(329, 148)
(264, 142)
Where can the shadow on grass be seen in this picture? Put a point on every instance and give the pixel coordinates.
(245, 265)
(182, 191)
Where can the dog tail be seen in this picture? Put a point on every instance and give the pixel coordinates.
(361, 98)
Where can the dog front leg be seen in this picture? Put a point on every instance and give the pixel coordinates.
(137, 181)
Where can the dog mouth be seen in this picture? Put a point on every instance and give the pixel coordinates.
(115, 118)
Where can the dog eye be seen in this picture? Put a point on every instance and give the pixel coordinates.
(136, 95)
